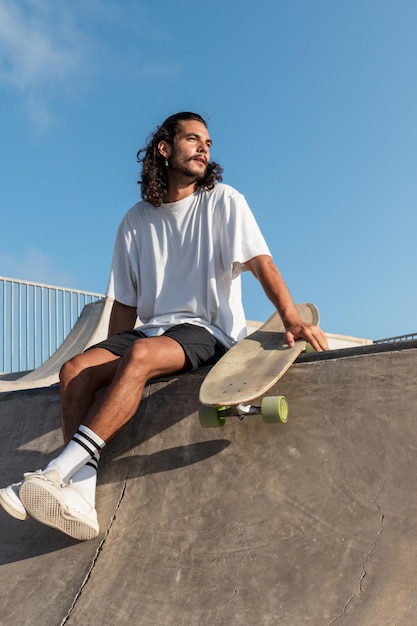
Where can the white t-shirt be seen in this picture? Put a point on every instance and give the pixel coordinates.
(181, 262)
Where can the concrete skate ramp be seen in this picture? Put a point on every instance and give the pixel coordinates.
(313, 522)
(90, 328)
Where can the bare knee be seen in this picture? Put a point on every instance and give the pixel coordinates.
(71, 369)
(154, 356)
(139, 356)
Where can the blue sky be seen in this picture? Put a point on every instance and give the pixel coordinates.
(311, 105)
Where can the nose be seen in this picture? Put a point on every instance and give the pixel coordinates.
(203, 147)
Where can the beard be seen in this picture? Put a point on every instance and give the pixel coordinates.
(187, 167)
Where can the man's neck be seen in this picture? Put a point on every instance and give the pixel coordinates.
(179, 189)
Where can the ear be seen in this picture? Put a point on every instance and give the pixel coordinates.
(164, 149)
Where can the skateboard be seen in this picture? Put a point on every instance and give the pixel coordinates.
(238, 383)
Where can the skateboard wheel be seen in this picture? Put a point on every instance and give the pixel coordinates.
(211, 417)
(309, 348)
(274, 409)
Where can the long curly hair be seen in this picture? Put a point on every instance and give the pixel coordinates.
(154, 179)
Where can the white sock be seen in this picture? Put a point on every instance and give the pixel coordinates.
(85, 480)
(82, 448)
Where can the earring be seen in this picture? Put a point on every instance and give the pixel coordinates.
(166, 163)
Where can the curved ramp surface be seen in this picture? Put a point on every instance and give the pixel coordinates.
(312, 522)
(90, 328)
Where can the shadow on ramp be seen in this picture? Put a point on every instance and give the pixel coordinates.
(312, 522)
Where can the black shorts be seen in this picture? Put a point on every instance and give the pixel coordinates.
(200, 346)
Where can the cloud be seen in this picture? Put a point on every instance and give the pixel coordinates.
(34, 266)
(52, 51)
(41, 51)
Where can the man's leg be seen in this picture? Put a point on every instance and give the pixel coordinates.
(41, 493)
(80, 378)
(148, 358)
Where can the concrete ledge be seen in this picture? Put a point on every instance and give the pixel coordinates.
(310, 523)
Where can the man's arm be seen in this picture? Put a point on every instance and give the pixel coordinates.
(122, 317)
(264, 269)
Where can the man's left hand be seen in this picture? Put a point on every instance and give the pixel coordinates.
(310, 332)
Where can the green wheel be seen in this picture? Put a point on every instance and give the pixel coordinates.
(309, 348)
(211, 416)
(274, 409)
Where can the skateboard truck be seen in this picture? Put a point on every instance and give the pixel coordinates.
(249, 372)
(273, 409)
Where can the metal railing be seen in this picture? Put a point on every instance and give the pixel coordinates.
(399, 338)
(35, 320)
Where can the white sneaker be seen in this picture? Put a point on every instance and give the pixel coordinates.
(10, 501)
(59, 506)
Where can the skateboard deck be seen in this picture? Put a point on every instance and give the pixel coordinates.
(249, 370)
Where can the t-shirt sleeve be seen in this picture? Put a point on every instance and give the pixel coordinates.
(123, 279)
(243, 239)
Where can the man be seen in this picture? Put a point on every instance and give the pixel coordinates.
(177, 262)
